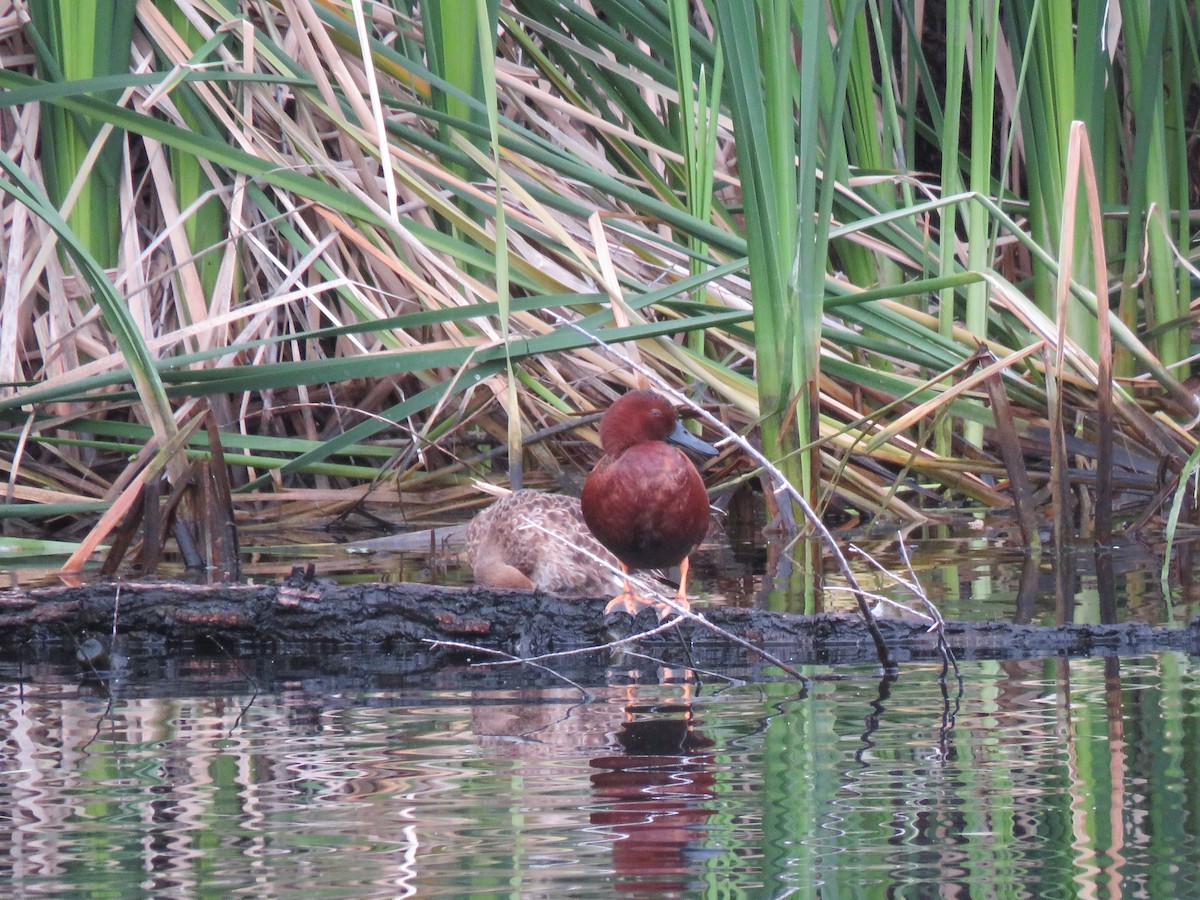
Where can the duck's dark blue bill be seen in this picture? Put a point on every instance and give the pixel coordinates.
(681, 437)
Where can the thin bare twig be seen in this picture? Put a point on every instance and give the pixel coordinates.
(881, 599)
(939, 625)
(913, 584)
(509, 659)
(682, 613)
(661, 628)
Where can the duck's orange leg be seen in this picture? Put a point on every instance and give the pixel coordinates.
(681, 594)
(629, 602)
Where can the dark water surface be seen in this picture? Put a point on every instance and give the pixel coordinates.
(1037, 778)
(348, 775)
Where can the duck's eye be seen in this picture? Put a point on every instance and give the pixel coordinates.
(656, 412)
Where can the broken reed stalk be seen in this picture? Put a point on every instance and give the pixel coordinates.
(1010, 453)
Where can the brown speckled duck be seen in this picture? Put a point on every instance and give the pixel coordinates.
(531, 540)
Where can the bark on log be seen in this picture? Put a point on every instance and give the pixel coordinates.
(299, 614)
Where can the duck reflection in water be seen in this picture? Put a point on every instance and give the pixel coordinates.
(655, 797)
(653, 775)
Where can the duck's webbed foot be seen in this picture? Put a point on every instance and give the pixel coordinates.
(631, 603)
(627, 602)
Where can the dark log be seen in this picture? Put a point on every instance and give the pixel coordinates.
(310, 615)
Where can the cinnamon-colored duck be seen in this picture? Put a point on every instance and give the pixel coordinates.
(531, 540)
(645, 500)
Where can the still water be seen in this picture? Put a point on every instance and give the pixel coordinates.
(1034, 778)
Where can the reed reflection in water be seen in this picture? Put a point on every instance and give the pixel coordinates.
(1040, 778)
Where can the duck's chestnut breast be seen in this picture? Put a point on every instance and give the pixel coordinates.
(647, 505)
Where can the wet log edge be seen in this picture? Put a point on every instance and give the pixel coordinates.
(171, 617)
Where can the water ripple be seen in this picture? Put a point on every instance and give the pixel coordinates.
(1053, 778)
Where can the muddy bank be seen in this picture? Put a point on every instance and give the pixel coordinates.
(299, 616)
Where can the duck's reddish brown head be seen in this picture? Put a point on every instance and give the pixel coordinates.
(641, 416)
